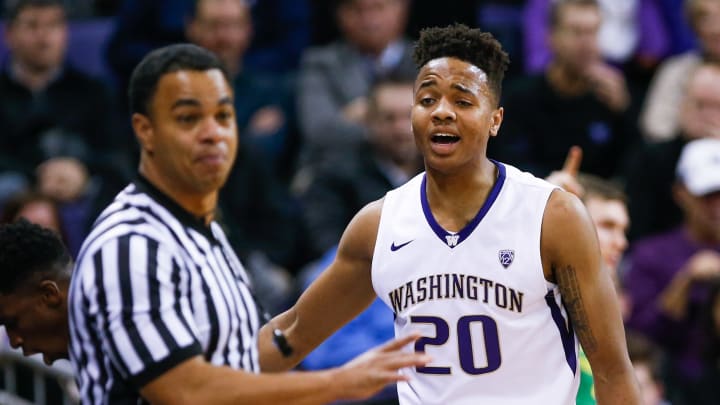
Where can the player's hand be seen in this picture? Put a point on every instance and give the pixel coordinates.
(370, 372)
(567, 176)
(704, 266)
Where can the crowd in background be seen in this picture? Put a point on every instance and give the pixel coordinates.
(323, 91)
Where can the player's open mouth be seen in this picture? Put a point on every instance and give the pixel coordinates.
(444, 138)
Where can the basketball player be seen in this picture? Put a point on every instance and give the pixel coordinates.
(498, 270)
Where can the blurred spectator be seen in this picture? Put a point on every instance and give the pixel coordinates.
(647, 361)
(263, 101)
(579, 100)
(263, 225)
(37, 209)
(711, 346)
(341, 186)
(652, 171)
(607, 205)
(632, 34)
(659, 118)
(335, 79)
(143, 25)
(51, 113)
(671, 275)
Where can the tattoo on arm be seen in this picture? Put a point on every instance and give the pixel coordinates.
(570, 293)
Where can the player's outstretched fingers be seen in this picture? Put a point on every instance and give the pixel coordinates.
(398, 343)
(396, 361)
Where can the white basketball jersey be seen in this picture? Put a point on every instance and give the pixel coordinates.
(495, 328)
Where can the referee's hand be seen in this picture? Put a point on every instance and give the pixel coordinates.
(370, 372)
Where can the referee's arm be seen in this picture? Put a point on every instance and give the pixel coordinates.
(150, 339)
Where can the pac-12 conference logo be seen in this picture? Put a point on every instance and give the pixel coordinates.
(506, 257)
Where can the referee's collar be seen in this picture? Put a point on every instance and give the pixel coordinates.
(183, 215)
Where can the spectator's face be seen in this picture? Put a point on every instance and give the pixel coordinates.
(190, 138)
(702, 213)
(41, 212)
(389, 123)
(35, 319)
(706, 21)
(611, 222)
(372, 24)
(650, 390)
(574, 40)
(38, 38)
(223, 27)
(454, 113)
(700, 114)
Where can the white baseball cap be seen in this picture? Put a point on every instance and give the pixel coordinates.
(699, 166)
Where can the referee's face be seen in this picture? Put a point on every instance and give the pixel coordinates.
(190, 139)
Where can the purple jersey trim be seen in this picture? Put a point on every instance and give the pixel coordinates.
(567, 333)
(470, 227)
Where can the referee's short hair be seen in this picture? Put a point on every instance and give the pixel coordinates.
(168, 59)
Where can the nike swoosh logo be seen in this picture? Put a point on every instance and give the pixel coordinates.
(395, 247)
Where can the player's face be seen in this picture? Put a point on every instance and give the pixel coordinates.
(611, 222)
(454, 113)
(190, 138)
(389, 123)
(33, 324)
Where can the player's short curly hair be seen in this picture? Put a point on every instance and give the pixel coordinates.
(467, 44)
(27, 251)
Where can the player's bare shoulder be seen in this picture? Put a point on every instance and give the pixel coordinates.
(358, 240)
(566, 230)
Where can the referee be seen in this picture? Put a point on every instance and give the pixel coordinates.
(161, 309)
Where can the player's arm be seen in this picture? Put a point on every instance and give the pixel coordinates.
(197, 382)
(571, 258)
(341, 292)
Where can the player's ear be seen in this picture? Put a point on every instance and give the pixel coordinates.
(50, 294)
(143, 131)
(496, 120)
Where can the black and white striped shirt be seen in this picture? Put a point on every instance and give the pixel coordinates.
(152, 287)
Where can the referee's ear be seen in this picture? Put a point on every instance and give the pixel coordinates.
(144, 132)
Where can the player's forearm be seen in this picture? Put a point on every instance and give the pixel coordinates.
(271, 346)
(617, 387)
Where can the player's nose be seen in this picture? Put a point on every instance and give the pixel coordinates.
(443, 111)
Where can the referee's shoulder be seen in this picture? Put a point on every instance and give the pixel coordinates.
(120, 223)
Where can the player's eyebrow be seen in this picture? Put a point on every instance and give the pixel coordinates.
(427, 83)
(225, 100)
(462, 88)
